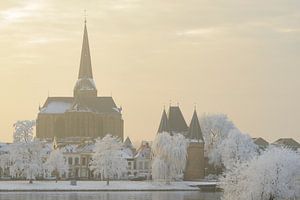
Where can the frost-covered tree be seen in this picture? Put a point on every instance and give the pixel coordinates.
(4, 161)
(234, 149)
(169, 156)
(215, 128)
(271, 176)
(26, 159)
(23, 131)
(107, 160)
(56, 163)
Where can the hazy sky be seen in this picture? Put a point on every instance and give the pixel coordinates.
(236, 57)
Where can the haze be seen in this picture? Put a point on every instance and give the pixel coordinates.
(235, 57)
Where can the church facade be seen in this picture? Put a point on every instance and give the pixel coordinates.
(84, 115)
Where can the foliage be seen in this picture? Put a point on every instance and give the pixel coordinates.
(107, 160)
(23, 131)
(270, 176)
(169, 156)
(56, 163)
(234, 149)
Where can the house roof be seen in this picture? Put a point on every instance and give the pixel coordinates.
(261, 142)
(287, 142)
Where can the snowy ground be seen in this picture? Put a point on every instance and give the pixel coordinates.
(100, 186)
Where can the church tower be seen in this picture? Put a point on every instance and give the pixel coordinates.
(84, 115)
(195, 166)
(85, 85)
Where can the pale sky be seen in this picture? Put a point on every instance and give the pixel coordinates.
(235, 57)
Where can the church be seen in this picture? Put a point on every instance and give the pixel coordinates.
(85, 114)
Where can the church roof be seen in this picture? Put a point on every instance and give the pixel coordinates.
(56, 105)
(59, 105)
(164, 123)
(195, 132)
(176, 120)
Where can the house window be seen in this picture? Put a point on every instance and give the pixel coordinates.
(134, 165)
(140, 165)
(70, 160)
(76, 161)
(146, 165)
(83, 161)
(129, 165)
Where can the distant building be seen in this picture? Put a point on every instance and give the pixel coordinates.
(85, 115)
(287, 143)
(174, 123)
(261, 143)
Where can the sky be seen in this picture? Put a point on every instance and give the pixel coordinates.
(235, 57)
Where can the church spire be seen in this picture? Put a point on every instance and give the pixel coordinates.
(85, 85)
(85, 70)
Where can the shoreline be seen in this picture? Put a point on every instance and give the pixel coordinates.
(96, 186)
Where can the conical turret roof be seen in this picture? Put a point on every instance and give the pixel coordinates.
(164, 123)
(195, 132)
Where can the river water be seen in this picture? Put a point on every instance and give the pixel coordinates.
(109, 196)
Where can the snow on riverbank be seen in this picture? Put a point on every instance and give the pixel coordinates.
(99, 186)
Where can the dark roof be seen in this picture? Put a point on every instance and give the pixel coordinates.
(93, 104)
(287, 142)
(195, 132)
(262, 143)
(164, 123)
(176, 120)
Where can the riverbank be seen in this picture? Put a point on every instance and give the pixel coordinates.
(7, 186)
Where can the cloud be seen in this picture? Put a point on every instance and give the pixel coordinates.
(19, 13)
(197, 32)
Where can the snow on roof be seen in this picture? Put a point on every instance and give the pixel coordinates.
(127, 153)
(144, 151)
(56, 107)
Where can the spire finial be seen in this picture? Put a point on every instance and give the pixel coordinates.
(84, 16)
(195, 106)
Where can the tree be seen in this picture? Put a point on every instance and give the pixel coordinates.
(107, 160)
(234, 149)
(26, 159)
(23, 131)
(56, 163)
(270, 176)
(4, 159)
(215, 128)
(169, 156)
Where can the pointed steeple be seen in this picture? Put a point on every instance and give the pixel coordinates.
(195, 132)
(85, 85)
(85, 70)
(164, 123)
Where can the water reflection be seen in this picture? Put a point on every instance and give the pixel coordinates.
(109, 196)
